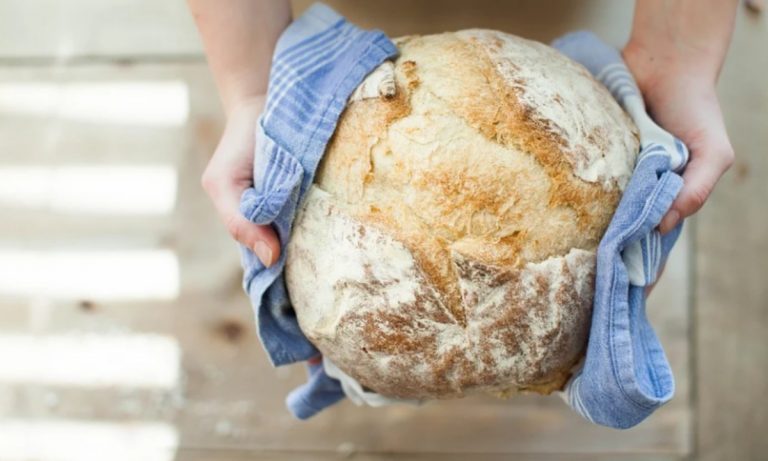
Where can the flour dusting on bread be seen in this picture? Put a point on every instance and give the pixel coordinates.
(448, 244)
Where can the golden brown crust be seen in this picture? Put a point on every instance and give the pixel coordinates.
(363, 300)
(472, 168)
(519, 128)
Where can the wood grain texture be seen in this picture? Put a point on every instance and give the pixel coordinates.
(228, 395)
(49, 30)
(731, 293)
(345, 454)
(228, 404)
(46, 30)
(527, 18)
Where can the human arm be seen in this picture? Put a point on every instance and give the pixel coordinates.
(239, 38)
(675, 52)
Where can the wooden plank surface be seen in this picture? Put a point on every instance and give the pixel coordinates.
(228, 403)
(528, 18)
(44, 30)
(732, 267)
(76, 30)
(344, 454)
(227, 395)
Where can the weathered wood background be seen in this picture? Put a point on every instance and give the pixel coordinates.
(124, 333)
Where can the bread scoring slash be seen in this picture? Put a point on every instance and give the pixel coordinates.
(448, 243)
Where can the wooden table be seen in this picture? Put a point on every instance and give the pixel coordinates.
(124, 333)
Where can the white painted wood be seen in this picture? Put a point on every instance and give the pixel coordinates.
(229, 395)
(62, 30)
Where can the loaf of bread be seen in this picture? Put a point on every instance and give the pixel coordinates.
(448, 244)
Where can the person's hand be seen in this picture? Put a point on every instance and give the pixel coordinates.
(230, 172)
(683, 101)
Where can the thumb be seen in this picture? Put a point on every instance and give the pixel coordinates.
(261, 239)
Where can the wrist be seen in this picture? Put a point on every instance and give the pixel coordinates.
(658, 70)
(245, 105)
(240, 88)
(684, 39)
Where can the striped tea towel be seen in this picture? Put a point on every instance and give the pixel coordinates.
(318, 62)
(626, 376)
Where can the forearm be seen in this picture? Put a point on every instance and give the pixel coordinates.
(675, 53)
(692, 35)
(239, 38)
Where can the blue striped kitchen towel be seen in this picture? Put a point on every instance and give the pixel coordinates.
(626, 375)
(318, 62)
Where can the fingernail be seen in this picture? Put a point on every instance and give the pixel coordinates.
(669, 222)
(263, 252)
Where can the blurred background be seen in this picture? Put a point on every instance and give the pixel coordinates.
(125, 334)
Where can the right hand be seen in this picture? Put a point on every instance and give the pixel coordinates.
(684, 102)
(230, 172)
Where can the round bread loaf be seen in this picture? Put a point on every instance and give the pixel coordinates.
(448, 243)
